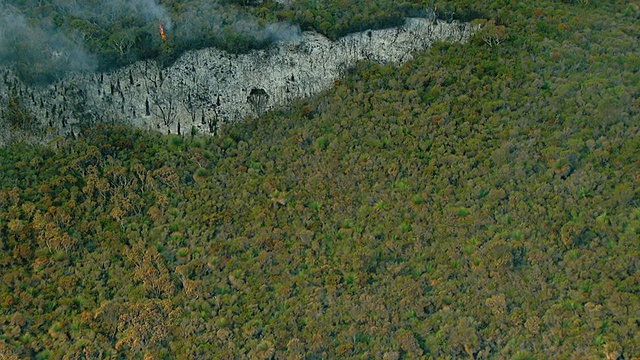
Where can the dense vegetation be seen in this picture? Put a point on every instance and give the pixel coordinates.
(106, 34)
(480, 201)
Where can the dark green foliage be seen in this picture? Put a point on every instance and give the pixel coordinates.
(475, 202)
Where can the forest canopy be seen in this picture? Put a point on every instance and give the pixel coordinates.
(480, 201)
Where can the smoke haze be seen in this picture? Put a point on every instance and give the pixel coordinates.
(206, 18)
(42, 43)
(106, 13)
(38, 53)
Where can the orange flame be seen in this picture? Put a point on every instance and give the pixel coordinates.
(162, 34)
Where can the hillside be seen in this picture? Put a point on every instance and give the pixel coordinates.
(45, 40)
(479, 201)
(207, 88)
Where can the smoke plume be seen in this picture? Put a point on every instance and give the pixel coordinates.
(106, 13)
(38, 53)
(216, 21)
(42, 44)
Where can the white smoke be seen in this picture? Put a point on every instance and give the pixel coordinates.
(39, 53)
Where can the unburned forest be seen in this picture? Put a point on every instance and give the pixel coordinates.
(479, 201)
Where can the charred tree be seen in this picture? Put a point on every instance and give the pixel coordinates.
(258, 99)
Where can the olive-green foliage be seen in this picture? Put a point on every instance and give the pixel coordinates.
(475, 202)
